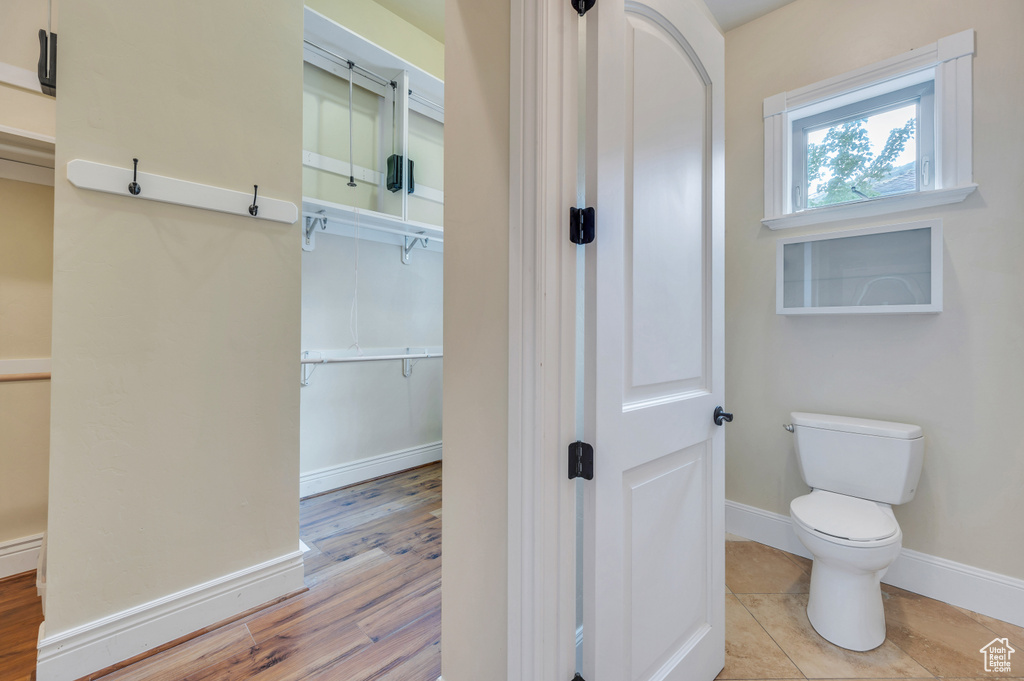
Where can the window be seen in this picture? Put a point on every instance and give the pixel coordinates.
(879, 147)
(891, 137)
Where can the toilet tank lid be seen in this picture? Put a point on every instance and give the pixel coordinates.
(849, 424)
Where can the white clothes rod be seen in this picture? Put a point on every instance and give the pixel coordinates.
(114, 180)
(326, 359)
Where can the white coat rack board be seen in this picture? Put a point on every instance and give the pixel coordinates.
(125, 181)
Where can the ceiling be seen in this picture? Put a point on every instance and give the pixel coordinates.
(733, 13)
(426, 15)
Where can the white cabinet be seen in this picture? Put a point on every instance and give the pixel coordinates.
(879, 270)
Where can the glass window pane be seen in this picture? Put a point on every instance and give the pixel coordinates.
(890, 268)
(863, 157)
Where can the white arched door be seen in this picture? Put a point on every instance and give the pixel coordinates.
(654, 513)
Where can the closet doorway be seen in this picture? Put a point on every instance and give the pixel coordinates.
(371, 358)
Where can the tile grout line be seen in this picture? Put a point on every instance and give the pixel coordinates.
(791, 660)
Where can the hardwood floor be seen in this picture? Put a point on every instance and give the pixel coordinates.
(20, 615)
(372, 611)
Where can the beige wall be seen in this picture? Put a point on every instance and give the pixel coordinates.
(958, 373)
(386, 29)
(175, 406)
(474, 625)
(26, 276)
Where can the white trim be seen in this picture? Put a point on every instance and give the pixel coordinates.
(945, 580)
(26, 172)
(542, 313)
(8, 131)
(882, 205)
(25, 366)
(96, 645)
(19, 77)
(19, 555)
(352, 472)
(949, 61)
(311, 159)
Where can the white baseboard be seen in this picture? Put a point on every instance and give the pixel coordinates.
(342, 475)
(97, 645)
(19, 555)
(945, 580)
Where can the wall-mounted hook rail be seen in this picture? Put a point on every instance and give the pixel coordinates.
(410, 243)
(113, 180)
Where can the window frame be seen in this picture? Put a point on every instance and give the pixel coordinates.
(947, 63)
(922, 95)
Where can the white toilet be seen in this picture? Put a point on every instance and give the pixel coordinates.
(856, 468)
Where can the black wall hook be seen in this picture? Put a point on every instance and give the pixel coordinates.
(133, 186)
(254, 209)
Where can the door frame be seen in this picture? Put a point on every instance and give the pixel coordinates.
(542, 338)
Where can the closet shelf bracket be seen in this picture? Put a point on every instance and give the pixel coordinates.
(312, 221)
(410, 243)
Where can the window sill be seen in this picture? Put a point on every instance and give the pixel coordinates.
(871, 207)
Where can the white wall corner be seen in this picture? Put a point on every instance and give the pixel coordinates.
(775, 104)
(979, 590)
(19, 555)
(99, 644)
(957, 45)
(353, 472)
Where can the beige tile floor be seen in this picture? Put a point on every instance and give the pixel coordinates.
(767, 635)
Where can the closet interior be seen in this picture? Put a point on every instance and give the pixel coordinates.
(372, 239)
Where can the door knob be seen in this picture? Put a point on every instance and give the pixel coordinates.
(722, 416)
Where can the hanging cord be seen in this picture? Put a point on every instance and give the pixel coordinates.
(353, 314)
(394, 116)
(351, 151)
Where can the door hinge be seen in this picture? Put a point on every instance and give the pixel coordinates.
(581, 461)
(582, 6)
(582, 224)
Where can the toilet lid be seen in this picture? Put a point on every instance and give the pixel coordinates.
(845, 517)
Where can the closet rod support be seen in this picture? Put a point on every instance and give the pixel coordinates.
(410, 243)
(311, 224)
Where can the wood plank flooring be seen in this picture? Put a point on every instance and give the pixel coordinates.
(372, 611)
(20, 615)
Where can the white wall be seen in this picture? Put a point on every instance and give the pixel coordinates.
(359, 410)
(958, 374)
(175, 404)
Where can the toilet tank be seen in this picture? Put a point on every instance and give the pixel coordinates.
(877, 460)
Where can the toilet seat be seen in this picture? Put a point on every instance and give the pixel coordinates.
(844, 519)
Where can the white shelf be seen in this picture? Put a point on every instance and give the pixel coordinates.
(345, 220)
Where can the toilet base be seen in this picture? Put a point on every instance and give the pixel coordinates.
(845, 607)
